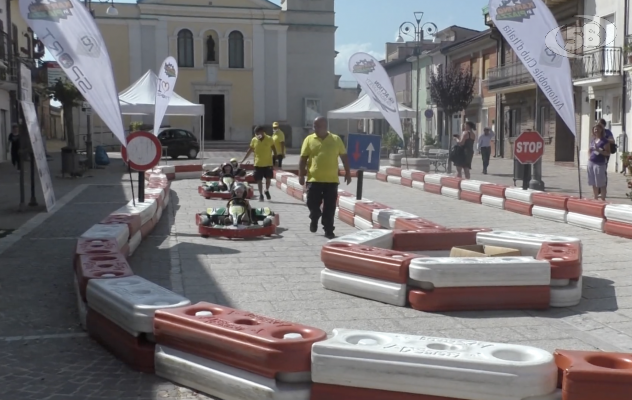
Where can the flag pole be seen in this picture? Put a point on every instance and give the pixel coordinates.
(579, 173)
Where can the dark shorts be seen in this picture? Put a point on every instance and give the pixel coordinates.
(263, 172)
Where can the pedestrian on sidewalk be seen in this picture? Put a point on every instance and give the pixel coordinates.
(320, 151)
(598, 152)
(466, 143)
(485, 147)
(613, 146)
(279, 144)
(262, 146)
(14, 142)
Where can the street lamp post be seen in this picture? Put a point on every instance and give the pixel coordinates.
(417, 30)
(89, 152)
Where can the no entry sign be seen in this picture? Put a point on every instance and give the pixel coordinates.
(143, 149)
(528, 147)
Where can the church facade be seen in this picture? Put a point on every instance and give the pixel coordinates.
(249, 62)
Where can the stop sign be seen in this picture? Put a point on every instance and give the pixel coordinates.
(528, 147)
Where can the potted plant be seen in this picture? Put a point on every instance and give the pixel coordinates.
(429, 142)
(626, 162)
(627, 48)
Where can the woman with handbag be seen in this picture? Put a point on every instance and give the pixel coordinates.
(464, 150)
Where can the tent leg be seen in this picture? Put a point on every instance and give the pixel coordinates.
(202, 136)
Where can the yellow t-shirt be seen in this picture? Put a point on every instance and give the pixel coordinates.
(263, 151)
(322, 157)
(279, 137)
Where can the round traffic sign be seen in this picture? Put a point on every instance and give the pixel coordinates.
(143, 151)
(528, 147)
(428, 113)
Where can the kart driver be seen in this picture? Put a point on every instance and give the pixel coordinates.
(237, 171)
(238, 198)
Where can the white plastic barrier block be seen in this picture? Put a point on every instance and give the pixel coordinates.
(585, 221)
(442, 272)
(145, 210)
(381, 238)
(209, 167)
(567, 296)
(383, 169)
(349, 203)
(155, 191)
(81, 306)
(394, 179)
(370, 175)
(418, 185)
(134, 242)
(518, 194)
(375, 215)
(451, 192)
(362, 223)
(528, 243)
(158, 214)
(284, 187)
(491, 201)
(188, 175)
(167, 169)
(472, 186)
(386, 218)
(131, 302)
(408, 173)
(619, 212)
(119, 232)
(293, 183)
(452, 368)
(550, 214)
(365, 287)
(273, 182)
(434, 179)
(223, 381)
(165, 201)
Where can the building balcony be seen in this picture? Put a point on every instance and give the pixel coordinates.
(627, 54)
(509, 78)
(598, 67)
(8, 65)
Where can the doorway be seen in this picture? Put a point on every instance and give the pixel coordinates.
(214, 116)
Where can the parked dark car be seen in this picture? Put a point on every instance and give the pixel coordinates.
(179, 142)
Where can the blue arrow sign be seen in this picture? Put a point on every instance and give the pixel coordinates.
(364, 151)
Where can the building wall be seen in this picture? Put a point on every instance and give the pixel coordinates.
(343, 97)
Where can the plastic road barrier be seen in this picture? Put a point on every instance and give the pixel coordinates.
(492, 201)
(418, 176)
(131, 302)
(616, 228)
(365, 287)
(346, 216)
(450, 192)
(518, 194)
(380, 238)
(393, 171)
(481, 298)
(419, 185)
(590, 207)
(397, 180)
(432, 188)
(137, 352)
(321, 391)
(221, 380)
(132, 221)
(101, 266)
(472, 197)
(406, 182)
(585, 221)
(146, 229)
(133, 243)
(366, 210)
(442, 272)
(592, 375)
(117, 232)
(82, 307)
(451, 182)
(146, 209)
(435, 179)
(388, 218)
(567, 296)
(565, 260)
(551, 214)
(453, 368)
(370, 175)
(493, 190)
(519, 207)
(158, 192)
(349, 203)
(619, 213)
(416, 223)
(261, 345)
(529, 244)
(434, 238)
(362, 223)
(472, 186)
(381, 176)
(372, 262)
(556, 201)
(95, 247)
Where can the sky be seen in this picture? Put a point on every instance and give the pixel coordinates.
(366, 25)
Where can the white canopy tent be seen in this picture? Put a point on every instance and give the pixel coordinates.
(140, 99)
(364, 108)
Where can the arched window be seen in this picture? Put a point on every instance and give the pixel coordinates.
(185, 49)
(236, 50)
(210, 49)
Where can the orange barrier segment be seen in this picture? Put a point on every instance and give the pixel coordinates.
(590, 207)
(472, 197)
(365, 210)
(188, 168)
(96, 246)
(434, 239)
(146, 229)
(432, 188)
(354, 173)
(556, 201)
(519, 207)
(616, 228)
(565, 259)
(132, 221)
(321, 391)
(137, 352)
(346, 217)
(254, 343)
(372, 262)
(418, 176)
(592, 375)
(481, 298)
(451, 182)
(381, 177)
(278, 184)
(394, 171)
(407, 182)
(491, 189)
(102, 266)
(412, 224)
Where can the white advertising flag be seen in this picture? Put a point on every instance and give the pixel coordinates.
(71, 36)
(26, 83)
(525, 25)
(30, 117)
(166, 82)
(374, 80)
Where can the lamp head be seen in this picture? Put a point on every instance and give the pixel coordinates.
(399, 39)
(112, 10)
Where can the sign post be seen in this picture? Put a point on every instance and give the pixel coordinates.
(528, 149)
(143, 152)
(364, 155)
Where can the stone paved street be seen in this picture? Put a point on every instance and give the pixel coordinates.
(44, 355)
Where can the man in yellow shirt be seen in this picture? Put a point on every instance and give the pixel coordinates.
(279, 143)
(321, 150)
(262, 146)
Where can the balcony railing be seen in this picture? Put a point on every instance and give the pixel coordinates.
(627, 56)
(597, 63)
(8, 66)
(508, 75)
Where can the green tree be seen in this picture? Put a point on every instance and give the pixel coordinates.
(69, 96)
(452, 90)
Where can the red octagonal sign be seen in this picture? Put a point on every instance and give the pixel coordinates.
(528, 147)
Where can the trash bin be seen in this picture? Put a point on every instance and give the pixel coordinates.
(67, 160)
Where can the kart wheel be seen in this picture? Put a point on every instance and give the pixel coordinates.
(267, 222)
(205, 220)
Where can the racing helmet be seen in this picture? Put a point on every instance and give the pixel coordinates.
(239, 191)
(234, 163)
(230, 165)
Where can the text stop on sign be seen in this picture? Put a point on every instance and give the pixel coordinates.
(528, 147)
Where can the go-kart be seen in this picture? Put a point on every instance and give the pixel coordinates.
(237, 221)
(240, 173)
(221, 189)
